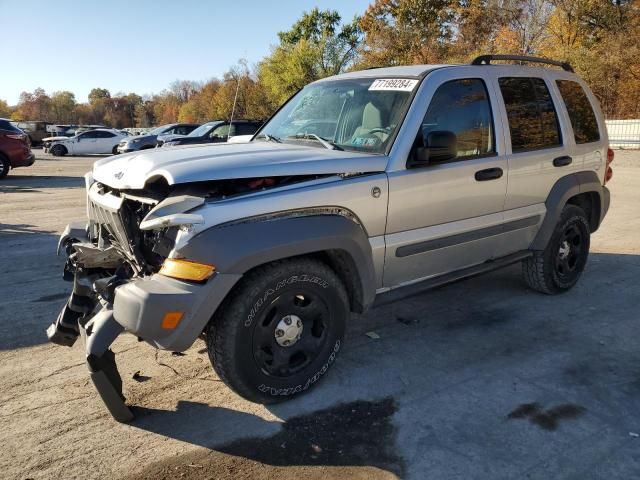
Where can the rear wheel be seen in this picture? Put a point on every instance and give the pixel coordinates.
(58, 150)
(280, 330)
(4, 166)
(558, 267)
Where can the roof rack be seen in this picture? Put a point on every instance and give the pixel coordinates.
(486, 60)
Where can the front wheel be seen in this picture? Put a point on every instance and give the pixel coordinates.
(558, 267)
(280, 330)
(4, 166)
(114, 150)
(58, 151)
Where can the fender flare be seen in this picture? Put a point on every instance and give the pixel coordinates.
(237, 247)
(565, 188)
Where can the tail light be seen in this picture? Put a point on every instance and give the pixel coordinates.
(609, 171)
(16, 136)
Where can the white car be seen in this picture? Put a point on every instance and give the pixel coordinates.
(100, 140)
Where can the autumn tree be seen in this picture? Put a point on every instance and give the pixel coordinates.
(401, 32)
(5, 110)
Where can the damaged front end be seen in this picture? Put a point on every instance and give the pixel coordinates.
(116, 262)
(108, 252)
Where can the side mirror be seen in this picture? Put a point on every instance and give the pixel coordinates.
(440, 146)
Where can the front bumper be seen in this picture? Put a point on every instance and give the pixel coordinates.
(124, 149)
(136, 305)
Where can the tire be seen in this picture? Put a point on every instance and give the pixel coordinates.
(114, 150)
(5, 166)
(558, 267)
(58, 151)
(241, 337)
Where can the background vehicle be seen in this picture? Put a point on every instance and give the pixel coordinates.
(212, 132)
(36, 130)
(14, 148)
(100, 140)
(149, 140)
(360, 184)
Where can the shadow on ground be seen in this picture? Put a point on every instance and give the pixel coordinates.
(354, 434)
(38, 183)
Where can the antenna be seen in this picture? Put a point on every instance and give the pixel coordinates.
(233, 109)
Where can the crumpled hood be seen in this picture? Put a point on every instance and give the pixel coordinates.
(199, 163)
(56, 139)
(145, 138)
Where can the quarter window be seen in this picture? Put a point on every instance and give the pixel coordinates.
(533, 121)
(462, 107)
(583, 119)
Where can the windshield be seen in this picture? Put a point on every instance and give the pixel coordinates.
(349, 114)
(202, 129)
(158, 130)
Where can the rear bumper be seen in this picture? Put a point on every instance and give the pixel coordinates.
(606, 200)
(22, 159)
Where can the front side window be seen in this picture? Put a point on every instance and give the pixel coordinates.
(583, 119)
(533, 121)
(462, 107)
(220, 132)
(361, 114)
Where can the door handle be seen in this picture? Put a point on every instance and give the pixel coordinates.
(488, 174)
(562, 161)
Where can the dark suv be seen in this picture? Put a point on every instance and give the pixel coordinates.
(212, 132)
(35, 130)
(14, 148)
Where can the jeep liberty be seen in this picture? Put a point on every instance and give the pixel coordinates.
(359, 184)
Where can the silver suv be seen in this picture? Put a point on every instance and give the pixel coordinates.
(361, 183)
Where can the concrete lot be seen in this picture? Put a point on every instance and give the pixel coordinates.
(480, 379)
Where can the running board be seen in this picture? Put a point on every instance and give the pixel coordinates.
(440, 280)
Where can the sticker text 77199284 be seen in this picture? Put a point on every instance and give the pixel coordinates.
(401, 84)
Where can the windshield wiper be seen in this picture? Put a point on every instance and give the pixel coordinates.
(312, 136)
(269, 138)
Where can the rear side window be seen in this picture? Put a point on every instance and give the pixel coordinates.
(533, 121)
(462, 107)
(583, 119)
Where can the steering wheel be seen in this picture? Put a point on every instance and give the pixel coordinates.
(379, 130)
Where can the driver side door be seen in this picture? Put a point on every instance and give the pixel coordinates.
(443, 215)
(85, 143)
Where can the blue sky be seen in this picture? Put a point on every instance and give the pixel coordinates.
(138, 45)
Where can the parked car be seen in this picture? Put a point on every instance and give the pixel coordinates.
(100, 140)
(35, 130)
(149, 140)
(360, 184)
(14, 148)
(212, 132)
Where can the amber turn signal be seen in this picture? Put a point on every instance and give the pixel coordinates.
(171, 320)
(186, 270)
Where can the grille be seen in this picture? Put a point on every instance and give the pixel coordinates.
(104, 210)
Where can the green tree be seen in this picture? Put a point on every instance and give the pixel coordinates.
(63, 106)
(316, 46)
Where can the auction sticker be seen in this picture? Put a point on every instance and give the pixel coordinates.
(398, 84)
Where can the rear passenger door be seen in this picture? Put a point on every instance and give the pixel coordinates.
(537, 153)
(444, 216)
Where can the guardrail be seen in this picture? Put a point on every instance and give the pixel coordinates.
(624, 133)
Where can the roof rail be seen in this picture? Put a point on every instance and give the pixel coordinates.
(486, 60)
